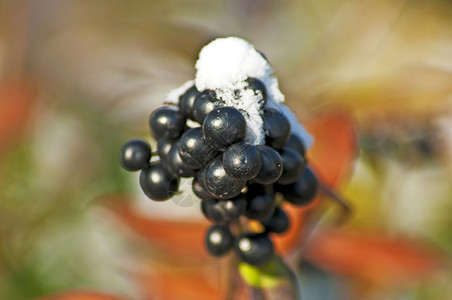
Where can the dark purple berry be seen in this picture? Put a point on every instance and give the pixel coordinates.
(242, 161)
(254, 249)
(203, 105)
(219, 240)
(186, 102)
(166, 123)
(297, 144)
(303, 191)
(223, 127)
(194, 150)
(135, 155)
(271, 164)
(293, 166)
(176, 165)
(218, 183)
(277, 127)
(278, 223)
(158, 183)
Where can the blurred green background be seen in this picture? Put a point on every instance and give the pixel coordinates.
(79, 78)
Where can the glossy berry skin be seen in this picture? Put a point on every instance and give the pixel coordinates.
(297, 144)
(158, 183)
(176, 165)
(260, 206)
(204, 103)
(258, 86)
(293, 166)
(198, 186)
(163, 149)
(278, 223)
(271, 166)
(211, 210)
(219, 240)
(135, 155)
(303, 191)
(186, 102)
(218, 183)
(254, 249)
(232, 209)
(242, 161)
(223, 127)
(277, 127)
(166, 122)
(194, 150)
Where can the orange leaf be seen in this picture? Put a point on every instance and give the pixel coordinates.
(334, 148)
(372, 257)
(174, 237)
(81, 295)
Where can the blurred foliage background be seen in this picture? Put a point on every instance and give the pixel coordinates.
(79, 78)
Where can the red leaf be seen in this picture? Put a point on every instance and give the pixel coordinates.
(197, 285)
(372, 256)
(16, 102)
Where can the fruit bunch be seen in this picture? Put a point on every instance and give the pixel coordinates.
(240, 180)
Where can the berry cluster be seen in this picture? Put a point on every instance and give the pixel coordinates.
(239, 183)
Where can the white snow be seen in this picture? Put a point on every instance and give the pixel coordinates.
(223, 66)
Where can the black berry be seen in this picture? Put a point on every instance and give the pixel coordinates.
(218, 183)
(186, 102)
(158, 183)
(303, 191)
(219, 240)
(203, 105)
(223, 127)
(232, 209)
(135, 155)
(254, 249)
(261, 206)
(277, 127)
(198, 186)
(166, 122)
(278, 223)
(176, 165)
(242, 161)
(293, 166)
(212, 211)
(271, 166)
(297, 144)
(163, 149)
(194, 150)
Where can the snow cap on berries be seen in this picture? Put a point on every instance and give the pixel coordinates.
(224, 66)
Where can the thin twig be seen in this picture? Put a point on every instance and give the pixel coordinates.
(295, 282)
(346, 208)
